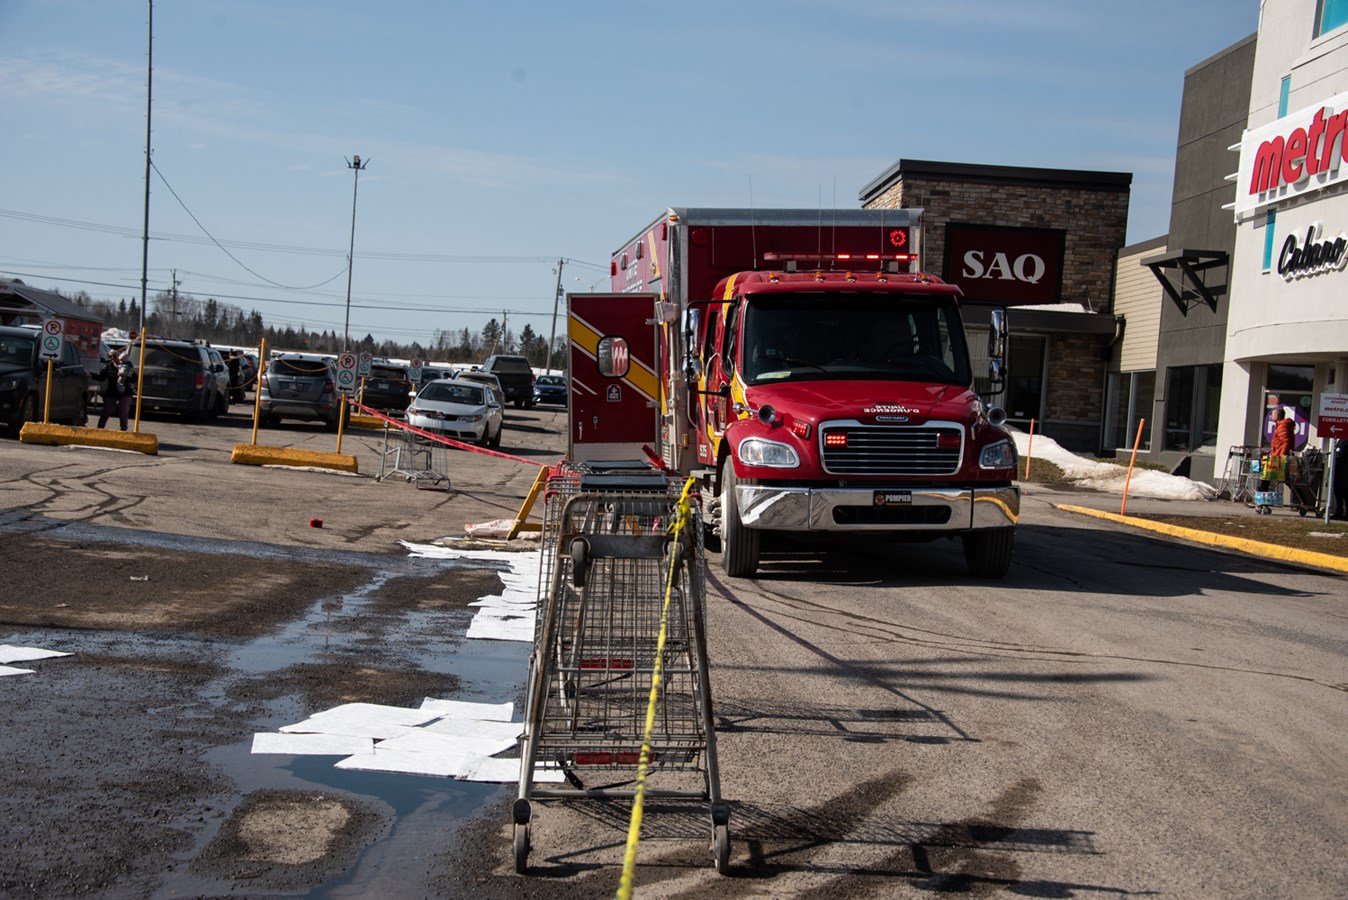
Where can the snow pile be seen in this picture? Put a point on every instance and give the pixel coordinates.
(1110, 477)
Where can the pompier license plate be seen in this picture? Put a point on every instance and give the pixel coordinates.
(893, 498)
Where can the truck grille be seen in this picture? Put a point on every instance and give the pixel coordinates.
(892, 450)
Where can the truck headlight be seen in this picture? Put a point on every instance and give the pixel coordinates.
(769, 454)
(1001, 455)
(9, 384)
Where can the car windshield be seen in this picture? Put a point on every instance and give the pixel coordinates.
(813, 337)
(555, 380)
(299, 368)
(444, 392)
(16, 350)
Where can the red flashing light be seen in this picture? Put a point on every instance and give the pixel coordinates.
(898, 238)
(836, 257)
(835, 439)
(801, 429)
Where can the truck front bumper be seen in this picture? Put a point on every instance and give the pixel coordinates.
(855, 509)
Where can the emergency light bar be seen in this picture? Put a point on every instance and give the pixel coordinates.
(838, 257)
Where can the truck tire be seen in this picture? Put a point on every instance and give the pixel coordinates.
(988, 553)
(740, 546)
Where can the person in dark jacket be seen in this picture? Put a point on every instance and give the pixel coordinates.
(119, 388)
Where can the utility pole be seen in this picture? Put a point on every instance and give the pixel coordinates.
(556, 299)
(356, 164)
(173, 293)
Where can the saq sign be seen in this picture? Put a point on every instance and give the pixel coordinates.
(1005, 265)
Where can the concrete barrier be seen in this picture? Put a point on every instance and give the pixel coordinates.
(256, 455)
(57, 435)
(359, 420)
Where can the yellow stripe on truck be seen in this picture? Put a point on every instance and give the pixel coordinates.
(640, 376)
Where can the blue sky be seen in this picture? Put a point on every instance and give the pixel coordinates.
(503, 136)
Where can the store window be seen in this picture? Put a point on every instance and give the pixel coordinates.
(1330, 14)
(1130, 401)
(1192, 402)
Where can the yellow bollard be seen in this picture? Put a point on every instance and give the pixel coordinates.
(1029, 451)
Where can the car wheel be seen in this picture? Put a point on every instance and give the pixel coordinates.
(27, 413)
(988, 553)
(496, 439)
(740, 546)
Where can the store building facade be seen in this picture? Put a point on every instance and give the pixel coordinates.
(1044, 243)
(1286, 340)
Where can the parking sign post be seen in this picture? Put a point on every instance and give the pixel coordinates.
(53, 338)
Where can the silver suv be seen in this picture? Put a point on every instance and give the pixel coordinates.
(299, 386)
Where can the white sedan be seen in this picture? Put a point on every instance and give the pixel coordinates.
(463, 410)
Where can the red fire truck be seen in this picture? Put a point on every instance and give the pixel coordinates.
(806, 371)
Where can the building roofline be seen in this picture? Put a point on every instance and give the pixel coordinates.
(1250, 38)
(1074, 179)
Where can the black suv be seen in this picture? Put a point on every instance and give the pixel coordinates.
(387, 388)
(23, 381)
(516, 377)
(184, 377)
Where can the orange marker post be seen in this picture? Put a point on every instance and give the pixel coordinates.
(1029, 451)
(1123, 510)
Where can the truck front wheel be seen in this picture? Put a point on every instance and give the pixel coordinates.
(739, 545)
(988, 553)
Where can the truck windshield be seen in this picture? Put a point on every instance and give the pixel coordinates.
(811, 337)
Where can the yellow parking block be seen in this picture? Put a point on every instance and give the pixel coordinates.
(355, 420)
(39, 433)
(256, 455)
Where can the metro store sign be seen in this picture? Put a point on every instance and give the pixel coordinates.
(1299, 154)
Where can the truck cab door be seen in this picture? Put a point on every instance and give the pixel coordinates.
(614, 379)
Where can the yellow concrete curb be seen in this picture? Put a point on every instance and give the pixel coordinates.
(59, 435)
(255, 455)
(359, 421)
(1254, 548)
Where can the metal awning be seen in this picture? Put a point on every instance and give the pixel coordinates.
(1181, 274)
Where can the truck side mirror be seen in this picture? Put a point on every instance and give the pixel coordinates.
(997, 335)
(996, 374)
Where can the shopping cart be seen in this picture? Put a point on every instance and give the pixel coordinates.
(619, 577)
(1304, 480)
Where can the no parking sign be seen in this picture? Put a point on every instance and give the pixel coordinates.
(53, 337)
(346, 373)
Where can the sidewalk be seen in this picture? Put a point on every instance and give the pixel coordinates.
(1104, 505)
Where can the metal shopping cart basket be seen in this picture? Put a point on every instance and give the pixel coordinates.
(1304, 482)
(619, 577)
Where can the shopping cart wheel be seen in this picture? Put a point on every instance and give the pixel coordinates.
(521, 811)
(521, 849)
(720, 848)
(580, 562)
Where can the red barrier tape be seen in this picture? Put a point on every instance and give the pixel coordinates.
(441, 439)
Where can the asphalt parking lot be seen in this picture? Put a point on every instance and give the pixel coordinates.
(1124, 713)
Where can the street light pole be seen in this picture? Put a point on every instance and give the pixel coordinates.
(356, 164)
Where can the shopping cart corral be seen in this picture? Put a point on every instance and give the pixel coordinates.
(618, 696)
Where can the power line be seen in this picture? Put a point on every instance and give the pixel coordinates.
(283, 248)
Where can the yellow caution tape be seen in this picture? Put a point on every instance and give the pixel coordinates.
(682, 513)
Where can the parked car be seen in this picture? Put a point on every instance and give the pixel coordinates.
(299, 386)
(23, 381)
(516, 377)
(550, 389)
(387, 388)
(465, 410)
(185, 377)
(491, 381)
